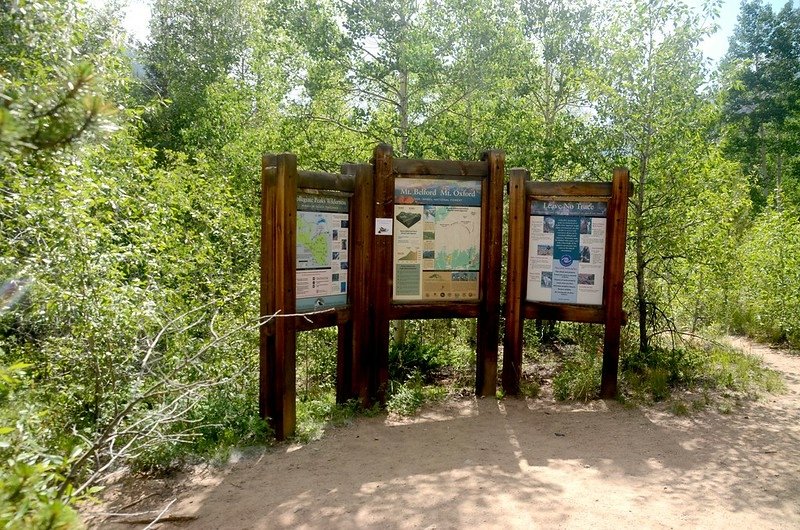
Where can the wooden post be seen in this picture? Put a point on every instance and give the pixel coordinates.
(382, 271)
(278, 355)
(614, 277)
(361, 281)
(516, 276)
(491, 268)
(266, 291)
(344, 359)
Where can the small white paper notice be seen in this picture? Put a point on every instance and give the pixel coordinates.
(383, 226)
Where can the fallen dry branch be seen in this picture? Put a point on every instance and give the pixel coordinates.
(137, 501)
(177, 518)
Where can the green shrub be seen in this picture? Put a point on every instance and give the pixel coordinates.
(415, 356)
(579, 379)
(315, 415)
(675, 362)
(31, 476)
(316, 362)
(658, 382)
(679, 408)
(768, 301)
(531, 340)
(408, 397)
(661, 368)
(658, 371)
(731, 369)
(529, 389)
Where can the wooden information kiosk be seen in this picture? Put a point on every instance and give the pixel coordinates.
(566, 260)
(315, 239)
(417, 239)
(437, 252)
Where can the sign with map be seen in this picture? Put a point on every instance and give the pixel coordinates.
(437, 235)
(566, 254)
(322, 250)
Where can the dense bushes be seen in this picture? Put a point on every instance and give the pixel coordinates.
(432, 352)
(32, 469)
(654, 375)
(415, 355)
(579, 378)
(768, 287)
(128, 284)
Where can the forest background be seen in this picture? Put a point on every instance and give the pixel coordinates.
(129, 193)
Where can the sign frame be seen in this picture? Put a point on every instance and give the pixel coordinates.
(522, 192)
(280, 183)
(486, 308)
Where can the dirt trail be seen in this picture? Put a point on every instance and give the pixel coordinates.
(514, 464)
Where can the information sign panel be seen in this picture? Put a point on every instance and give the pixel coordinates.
(322, 249)
(437, 236)
(566, 252)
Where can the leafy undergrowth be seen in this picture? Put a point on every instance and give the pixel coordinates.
(425, 372)
(687, 379)
(408, 397)
(690, 378)
(658, 373)
(318, 413)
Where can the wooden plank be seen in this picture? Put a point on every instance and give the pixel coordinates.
(320, 320)
(613, 280)
(428, 310)
(516, 274)
(578, 189)
(267, 286)
(491, 269)
(382, 271)
(283, 410)
(320, 180)
(362, 222)
(564, 312)
(440, 168)
(287, 213)
(344, 361)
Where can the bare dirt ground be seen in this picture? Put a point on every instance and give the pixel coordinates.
(505, 464)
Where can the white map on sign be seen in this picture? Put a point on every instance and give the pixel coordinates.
(458, 237)
(313, 240)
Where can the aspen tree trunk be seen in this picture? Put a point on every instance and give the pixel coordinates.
(400, 328)
(762, 166)
(403, 108)
(779, 176)
(639, 236)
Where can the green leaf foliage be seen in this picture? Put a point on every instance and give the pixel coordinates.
(761, 100)
(768, 298)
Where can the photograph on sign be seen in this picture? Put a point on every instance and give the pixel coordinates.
(566, 253)
(437, 234)
(322, 241)
(383, 226)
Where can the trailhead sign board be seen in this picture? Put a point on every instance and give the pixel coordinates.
(437, 239)
(437, 252)
(323, 229)
(566, 252)
(566, 261)
(314, 236)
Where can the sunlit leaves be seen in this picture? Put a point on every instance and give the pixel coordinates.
(768, 299)
(50, 89)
